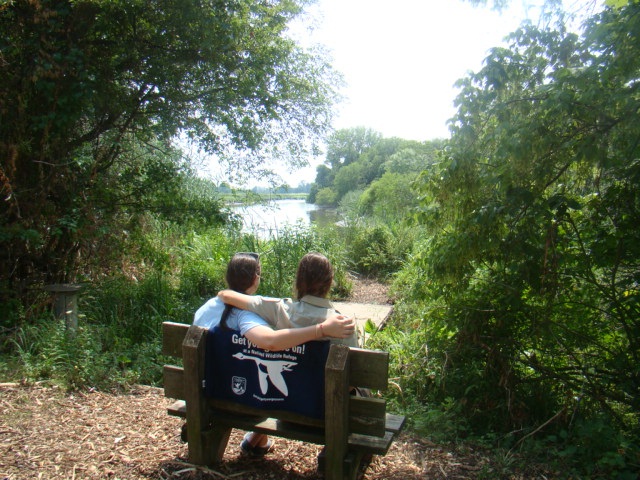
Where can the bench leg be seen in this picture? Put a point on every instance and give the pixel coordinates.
(355, 465)
(207, 447)
(219, 440)
(351, 464)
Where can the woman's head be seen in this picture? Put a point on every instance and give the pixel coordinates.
(314, 276)
(242, 271)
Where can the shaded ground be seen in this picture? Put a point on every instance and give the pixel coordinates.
(49, 434)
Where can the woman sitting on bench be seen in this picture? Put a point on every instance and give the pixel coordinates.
(314, 278)
(243, 277)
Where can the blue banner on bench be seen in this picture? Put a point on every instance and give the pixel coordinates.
(290, 380)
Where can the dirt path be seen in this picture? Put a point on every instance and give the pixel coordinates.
(49, 434)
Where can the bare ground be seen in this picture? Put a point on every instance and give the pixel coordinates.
(367, 290)
(47, 433)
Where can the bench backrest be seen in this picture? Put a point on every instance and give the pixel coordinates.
(345, 368)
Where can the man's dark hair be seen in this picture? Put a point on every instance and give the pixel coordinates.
(241, 273)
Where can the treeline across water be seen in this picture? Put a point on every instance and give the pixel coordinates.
(511, 249)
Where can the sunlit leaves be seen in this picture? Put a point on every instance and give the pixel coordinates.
(93, 93)
(531, 209)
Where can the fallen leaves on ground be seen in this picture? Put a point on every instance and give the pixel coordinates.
(51, 434)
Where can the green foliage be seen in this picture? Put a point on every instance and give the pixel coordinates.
(390, 197)
(358, 157)
(371, 250)
(105, 87)
(526, 277)
(280, 259)
(326, 197)
(202, 259)
(345, 146)
(347, 178)
(376, 234)
(47, 351)
(596, 448)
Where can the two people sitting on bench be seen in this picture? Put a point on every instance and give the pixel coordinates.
(311, 318)
(314, 278)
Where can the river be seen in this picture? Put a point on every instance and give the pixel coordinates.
(266, 220)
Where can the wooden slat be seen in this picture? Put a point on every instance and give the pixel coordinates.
(367, 406)
(367, 416)
(172, 337)
(394, 423)
(173, 382)
(178, 409)
(232, 408)
(369, 444)
(368, 369)
(272, 426)
(366, 425)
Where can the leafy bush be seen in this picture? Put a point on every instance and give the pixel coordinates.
(84, 359)
(372, 251)
(326, 196)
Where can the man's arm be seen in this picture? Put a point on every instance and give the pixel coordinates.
(337, 326)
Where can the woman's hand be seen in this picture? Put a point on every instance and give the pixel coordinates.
(338, 326)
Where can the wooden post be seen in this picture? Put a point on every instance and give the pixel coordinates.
(197, 419)
(207, 442)
(66, 304)
(337, 411)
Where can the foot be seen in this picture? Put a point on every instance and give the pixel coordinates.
(255, 450)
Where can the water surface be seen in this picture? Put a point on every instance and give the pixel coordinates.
(266, 220)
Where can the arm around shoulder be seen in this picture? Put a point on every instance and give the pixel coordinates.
(236, 299)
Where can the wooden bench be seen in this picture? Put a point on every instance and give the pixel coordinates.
(353, 428)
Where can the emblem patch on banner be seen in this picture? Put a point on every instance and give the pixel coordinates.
(238, 385)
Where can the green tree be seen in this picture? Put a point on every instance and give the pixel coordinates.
(324, 176)
(391, 197)
(345, 146)
(359, 156)
(93, 92)
(535, 250)
(348, 178)
(326, 196)
(414, 159)
(374, 158)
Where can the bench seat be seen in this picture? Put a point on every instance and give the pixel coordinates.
(273, 426)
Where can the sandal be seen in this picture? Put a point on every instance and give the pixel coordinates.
(256, 451)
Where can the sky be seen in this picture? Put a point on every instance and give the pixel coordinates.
(401, 59)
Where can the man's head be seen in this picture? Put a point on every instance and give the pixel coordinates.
(243, 272)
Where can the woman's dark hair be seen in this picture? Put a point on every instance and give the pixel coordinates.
(314, 276)
(241, 273)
